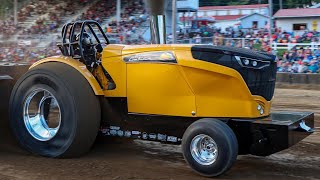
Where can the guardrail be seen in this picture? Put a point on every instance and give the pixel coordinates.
(298, 78)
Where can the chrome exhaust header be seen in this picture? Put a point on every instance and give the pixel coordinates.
(157, 21)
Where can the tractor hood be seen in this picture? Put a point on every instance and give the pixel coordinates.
(198, 51)
(258, 69)
(120, 49)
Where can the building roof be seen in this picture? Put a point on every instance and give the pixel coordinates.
(222, 18)
(306, 12)
(243, 17)
(227, 17)
(215, 18)
(209, 19)
(253, 6)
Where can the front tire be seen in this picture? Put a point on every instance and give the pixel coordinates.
(210, 147)
(54, 111)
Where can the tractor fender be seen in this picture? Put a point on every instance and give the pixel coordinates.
(79, 67)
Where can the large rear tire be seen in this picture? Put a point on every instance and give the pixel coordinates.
(210, 147)
(54, 111)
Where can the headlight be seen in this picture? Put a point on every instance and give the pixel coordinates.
(246, 62)
(259, 107)
(252, 63)
(157, 56)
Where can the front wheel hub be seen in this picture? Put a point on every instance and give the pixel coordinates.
(204, 149)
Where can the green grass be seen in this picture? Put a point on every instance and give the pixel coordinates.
(280, 52)
(257, 46)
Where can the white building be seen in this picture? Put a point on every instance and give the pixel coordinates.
(226, 12)
(254, 21)
(251, 21)
(229, 16)
(227, 21)
(298, 20)
(208, 11)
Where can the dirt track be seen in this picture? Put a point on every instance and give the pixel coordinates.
(146, 160)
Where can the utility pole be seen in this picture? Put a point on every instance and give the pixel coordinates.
(270, 22)
(280, 4)
(174, 21)
(6, 13)
(118, 14)
(15, 12)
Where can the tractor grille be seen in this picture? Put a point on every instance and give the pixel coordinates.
(260, 81)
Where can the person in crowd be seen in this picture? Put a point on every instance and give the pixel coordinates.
(303, 67)
(294, 67)
(317, 52)
(283, 67)
(314, 66)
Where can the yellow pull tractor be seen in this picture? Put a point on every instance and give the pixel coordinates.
(214, 101)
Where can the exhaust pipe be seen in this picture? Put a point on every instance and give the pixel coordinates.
(157, 21)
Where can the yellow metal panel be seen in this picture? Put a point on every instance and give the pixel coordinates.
(263, 102)
(117, 69)
(112, 50)
(78, 66)
(158, 89)
(112, 61)
(155, 47)
(220, 91)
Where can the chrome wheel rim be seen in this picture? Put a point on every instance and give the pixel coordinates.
(42, 114)
(204, 149)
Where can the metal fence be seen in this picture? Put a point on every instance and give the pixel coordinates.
(289, 46)
(118, 38)
(252, 43)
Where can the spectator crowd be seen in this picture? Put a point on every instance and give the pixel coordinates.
(27, 55)
(50, 17)
(300, 60)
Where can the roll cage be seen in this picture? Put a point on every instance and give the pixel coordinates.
(72, 46)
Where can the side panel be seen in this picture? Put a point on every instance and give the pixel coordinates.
(118, 71)
(117, 68)
(79, 67)
(158, 89)
(220, 91)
